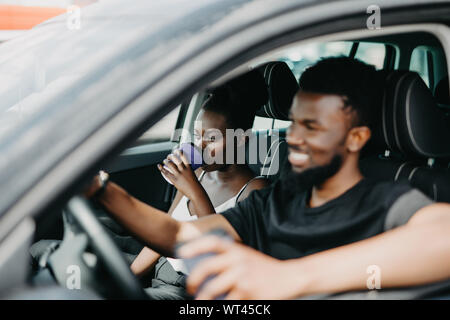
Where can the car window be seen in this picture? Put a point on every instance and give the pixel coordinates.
(372, 53)
(299, 58)
(161, 131)
(262, 123)
(420, 63)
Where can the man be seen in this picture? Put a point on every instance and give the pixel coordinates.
(318, 230)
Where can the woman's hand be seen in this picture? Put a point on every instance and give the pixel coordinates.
(181, 174)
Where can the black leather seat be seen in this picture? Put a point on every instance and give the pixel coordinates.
(411, 135)
(267, 149)
(442, 96)
(441, 92)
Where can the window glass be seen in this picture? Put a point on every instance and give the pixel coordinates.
(262, 123)
(371, 53)
(161, 131)
(419, 63)
(298, 59)
(281, 124)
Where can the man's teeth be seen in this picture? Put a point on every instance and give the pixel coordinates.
(298, 156)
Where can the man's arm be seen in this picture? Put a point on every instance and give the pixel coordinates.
(154, 226)
(414, 254)
(147, 258)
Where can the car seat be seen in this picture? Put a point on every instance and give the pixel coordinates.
(410, 136)
(266, 151)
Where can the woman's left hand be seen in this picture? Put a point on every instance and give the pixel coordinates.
(180, 174)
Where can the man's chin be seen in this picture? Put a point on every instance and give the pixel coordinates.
(301, 179)
(298, 170)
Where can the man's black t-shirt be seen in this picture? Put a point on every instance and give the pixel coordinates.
(284, 226)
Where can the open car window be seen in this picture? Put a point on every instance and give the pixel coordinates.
(301, 57)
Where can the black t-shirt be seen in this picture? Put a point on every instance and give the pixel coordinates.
(284, 227)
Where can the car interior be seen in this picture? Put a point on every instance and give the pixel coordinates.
(409, 142)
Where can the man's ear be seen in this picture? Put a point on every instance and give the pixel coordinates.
(357, 138)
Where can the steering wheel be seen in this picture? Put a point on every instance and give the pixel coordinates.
(82, 228)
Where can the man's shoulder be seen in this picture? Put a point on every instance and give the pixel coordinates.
(402, 201)
(390, 191)
(271, 188)
(389, 187)
(274, 192)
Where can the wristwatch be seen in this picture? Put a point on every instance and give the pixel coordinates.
(104, 178)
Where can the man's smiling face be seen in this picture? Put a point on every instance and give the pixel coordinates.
(318, 132)
(331, 118)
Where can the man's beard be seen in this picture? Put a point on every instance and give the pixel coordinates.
(294, 183)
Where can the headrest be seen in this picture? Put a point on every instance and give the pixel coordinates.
(282, 87)
(441, 93)
(249, 87)
(377, 143)
(411, 123)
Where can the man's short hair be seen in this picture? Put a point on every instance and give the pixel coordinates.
(356, 81)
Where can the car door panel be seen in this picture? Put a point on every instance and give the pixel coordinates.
(135, 170)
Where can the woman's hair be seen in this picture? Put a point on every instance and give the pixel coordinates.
(238, 99)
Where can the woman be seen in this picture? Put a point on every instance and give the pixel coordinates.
(215, 187)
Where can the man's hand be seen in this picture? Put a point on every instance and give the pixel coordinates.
(92, 188)
(241, 272)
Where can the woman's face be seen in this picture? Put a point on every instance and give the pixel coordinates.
(209, 136)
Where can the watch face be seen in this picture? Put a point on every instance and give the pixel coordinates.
(103, 176)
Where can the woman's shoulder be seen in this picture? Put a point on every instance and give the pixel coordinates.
(256, 183)
(199, 173)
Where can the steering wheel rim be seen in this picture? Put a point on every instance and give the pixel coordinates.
(105, 249)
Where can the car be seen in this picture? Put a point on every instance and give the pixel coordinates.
(112, 92)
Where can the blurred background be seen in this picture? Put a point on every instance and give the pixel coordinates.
(16, 16)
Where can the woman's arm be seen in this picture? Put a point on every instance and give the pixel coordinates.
(147, 258)
(255, 184)
(202, 203)
(144, 262)
(184, 179)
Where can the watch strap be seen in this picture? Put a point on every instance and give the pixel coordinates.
(104, 179)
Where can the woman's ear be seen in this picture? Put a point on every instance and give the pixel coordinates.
(357, 138)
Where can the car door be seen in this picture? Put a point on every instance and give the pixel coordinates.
(136, 170)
